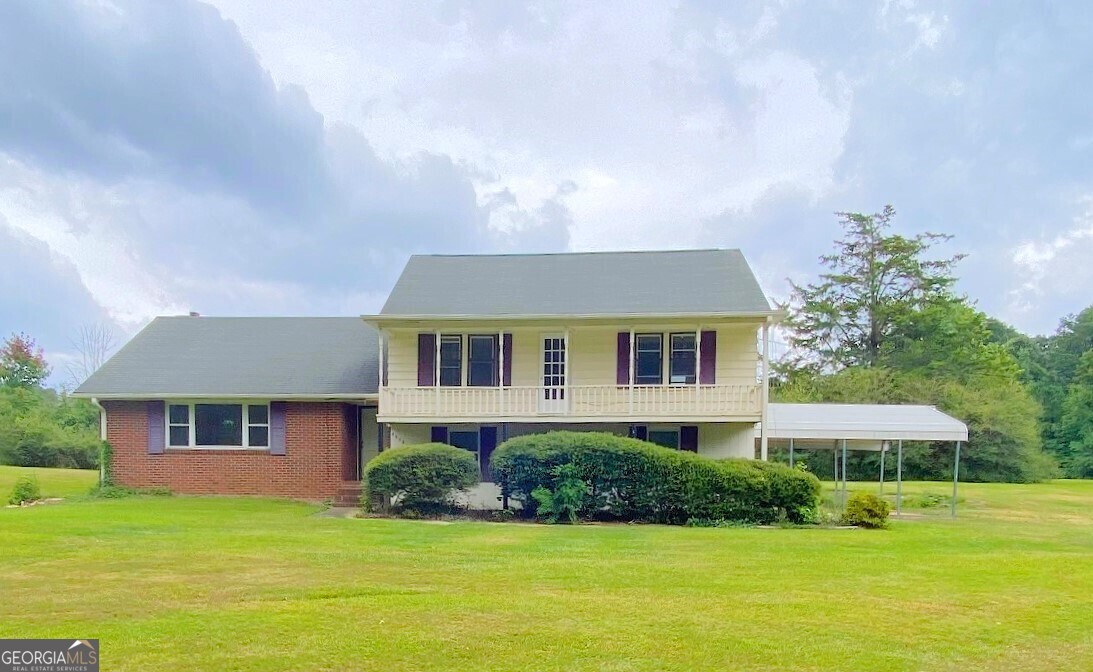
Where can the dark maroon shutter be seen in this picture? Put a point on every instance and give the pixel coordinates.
(506, 375)
(487, 441)
(276, 428)
(622, 359)
(156, 427)
(708, 358)
(688, 438)
(439, 435)
(426, 359)
(639, 432)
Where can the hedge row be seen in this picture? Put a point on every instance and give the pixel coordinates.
(630, 479)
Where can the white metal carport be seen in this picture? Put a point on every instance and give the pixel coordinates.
(870, 427)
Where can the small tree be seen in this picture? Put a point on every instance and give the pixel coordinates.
(94, 343)
(22, 363)
(876, 281)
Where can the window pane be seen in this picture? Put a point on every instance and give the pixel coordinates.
(480, 374)
(451, 360)
(482, 347)
(450, 377)
(180, 415)
(648, 360)
(682, 362)
(258, 436)
(180, 435)
(258, 415)
(464, 440)
(666, 438)
(218, 424)
(482, 361)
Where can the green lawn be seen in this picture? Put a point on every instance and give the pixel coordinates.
(248, 584)
(53, 482)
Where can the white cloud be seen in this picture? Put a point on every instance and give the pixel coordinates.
(1056, 265)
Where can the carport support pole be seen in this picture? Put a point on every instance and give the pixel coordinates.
(899, 477)
(956, 479)
(882, 447)
(844, 474)
(791, 453)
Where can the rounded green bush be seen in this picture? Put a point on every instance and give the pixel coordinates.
(423, 478)
(630, 479)
(26, 491)
(865, 509)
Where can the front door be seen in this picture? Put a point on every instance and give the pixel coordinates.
(552, 399)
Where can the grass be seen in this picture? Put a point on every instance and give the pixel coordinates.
(251, 584)
(53, 482)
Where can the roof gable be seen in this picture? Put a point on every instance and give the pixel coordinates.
(595, 283)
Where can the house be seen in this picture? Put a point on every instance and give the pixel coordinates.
(467, 350)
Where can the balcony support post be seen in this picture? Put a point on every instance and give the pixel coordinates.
(630, 366)
(436, 369)
(565, 370)
(501, 372)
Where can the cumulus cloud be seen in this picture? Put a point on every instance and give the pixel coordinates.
(285, 158)
(147, 147)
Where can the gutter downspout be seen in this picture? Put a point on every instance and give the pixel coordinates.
(102, 437)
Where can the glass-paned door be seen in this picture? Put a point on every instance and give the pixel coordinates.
(552, 400)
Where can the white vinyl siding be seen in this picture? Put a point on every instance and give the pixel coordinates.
(591, 356)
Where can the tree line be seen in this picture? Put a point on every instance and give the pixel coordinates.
(884, 324)
(40, 426)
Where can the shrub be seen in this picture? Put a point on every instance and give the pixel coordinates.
(422, 479)
(865, 509)
(792, 490)
(629, 479)
(567, 497)
(26, 490)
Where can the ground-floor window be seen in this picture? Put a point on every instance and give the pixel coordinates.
(201, 425)
(479, 440)
(682, 437)
(669, 438)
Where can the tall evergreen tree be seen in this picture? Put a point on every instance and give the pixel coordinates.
(874, 283)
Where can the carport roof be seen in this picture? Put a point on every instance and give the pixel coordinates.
(862, 421)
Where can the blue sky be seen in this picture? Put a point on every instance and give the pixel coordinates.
(246, 158)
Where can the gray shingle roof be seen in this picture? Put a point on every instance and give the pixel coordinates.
(297, 356)
(593, 283)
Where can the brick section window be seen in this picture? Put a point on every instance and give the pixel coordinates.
(320, 442)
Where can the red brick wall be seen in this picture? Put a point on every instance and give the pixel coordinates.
(320, 448)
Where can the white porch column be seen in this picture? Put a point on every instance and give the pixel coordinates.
(380, 338)
(630, 366)
(565, 370)
(698, 369)
(436, 368)
(765, 392)
(501, 371)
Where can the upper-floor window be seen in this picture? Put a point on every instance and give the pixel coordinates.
(451, 360)
(218, 425)
(648, 359)
(681, 363)
(482, 361)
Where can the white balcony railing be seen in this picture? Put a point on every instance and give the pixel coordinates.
(576, 401)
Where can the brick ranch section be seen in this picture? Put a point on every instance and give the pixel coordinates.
(320, 445)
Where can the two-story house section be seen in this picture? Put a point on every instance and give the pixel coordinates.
(662, 346)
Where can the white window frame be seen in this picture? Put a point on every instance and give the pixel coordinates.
(192, 403)
(497, 373)
(672, 352)
(637, 340)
